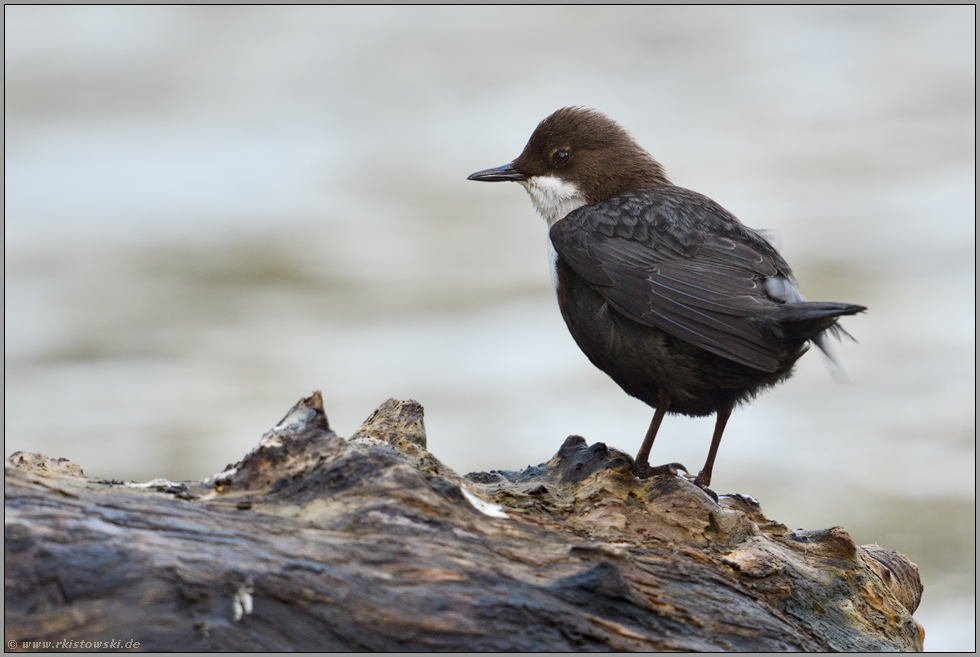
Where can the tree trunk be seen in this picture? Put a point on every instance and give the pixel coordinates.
(316, 542)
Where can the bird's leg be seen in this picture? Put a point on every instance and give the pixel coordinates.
(704, 477)
(641, 466)
(643, 456)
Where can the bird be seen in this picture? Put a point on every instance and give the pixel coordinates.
(663, 289)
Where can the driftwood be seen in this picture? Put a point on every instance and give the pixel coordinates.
(316, 542)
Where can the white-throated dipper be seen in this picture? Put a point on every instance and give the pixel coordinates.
(663, 289)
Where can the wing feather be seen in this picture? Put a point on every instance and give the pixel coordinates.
(682, 264)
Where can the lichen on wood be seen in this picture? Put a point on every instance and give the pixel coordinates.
(316, 542)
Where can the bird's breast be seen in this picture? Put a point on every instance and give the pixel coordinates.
(553, 263)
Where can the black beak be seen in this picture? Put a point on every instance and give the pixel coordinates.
(498, 174)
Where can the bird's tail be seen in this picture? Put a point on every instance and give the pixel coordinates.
(805, 320)
(813, 320)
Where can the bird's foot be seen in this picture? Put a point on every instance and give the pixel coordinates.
(702, 481)
(645, 470)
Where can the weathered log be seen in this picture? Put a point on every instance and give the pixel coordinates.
(316, 542)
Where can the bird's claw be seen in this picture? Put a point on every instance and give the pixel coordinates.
(645, 470)
(701, 481)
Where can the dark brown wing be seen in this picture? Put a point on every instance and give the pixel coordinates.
(675, 260)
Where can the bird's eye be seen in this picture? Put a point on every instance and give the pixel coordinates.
(560, 157)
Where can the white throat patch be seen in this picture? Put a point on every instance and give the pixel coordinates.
(553, 197)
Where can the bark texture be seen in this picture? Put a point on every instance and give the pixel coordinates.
(316, 542)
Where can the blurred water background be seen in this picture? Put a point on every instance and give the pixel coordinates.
(211, 212)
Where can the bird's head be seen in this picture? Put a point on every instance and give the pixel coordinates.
(574, 157)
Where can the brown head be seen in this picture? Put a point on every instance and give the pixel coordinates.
(578, 156)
